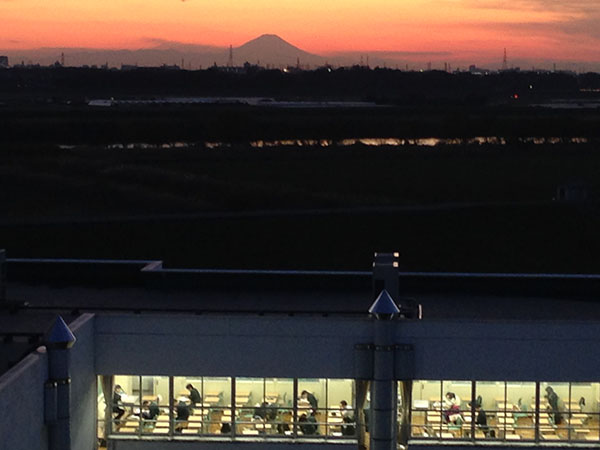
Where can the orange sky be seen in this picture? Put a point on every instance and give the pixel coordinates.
(553, 29)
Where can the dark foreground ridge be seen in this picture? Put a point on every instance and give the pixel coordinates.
(79, 85)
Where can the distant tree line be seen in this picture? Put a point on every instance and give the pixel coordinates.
(357, 83)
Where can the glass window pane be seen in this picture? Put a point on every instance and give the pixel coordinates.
(583, 408)
(251, 412)
(341, 412)
(426, 409)
(217, 400)
(455, 409)
(312, 406)
(279, 394)
(553, 417)
(189, 391)
(490, 417)
(155, 405)
(520, 416)
(126, 403)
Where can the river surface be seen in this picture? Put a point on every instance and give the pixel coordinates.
(368, 142)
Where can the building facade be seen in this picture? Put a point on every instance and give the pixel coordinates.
(279, 380)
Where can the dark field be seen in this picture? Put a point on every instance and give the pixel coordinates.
(459, 208)
(78, 124)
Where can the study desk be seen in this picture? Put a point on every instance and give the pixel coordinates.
(506, 420)
(502, 405)
(551, 437)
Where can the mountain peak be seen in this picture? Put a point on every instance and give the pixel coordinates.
(268, 39)
(269, 36)
(272, 49)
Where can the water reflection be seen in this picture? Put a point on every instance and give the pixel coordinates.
(368, 142)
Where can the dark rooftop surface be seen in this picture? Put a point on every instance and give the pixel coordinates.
(38, 290)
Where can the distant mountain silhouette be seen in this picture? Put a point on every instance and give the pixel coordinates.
(271, 49)
(267, 49)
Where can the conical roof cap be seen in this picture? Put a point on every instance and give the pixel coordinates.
(60, 335)
(384, 305)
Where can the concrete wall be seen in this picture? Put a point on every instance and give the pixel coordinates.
(304, 346)
(275, 346)
(22, 404)
(22, 396)
(238, 445)
(83, 384)
(499, 351)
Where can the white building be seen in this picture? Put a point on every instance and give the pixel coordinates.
(242, 338)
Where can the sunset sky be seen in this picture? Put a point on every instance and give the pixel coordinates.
(475, 30)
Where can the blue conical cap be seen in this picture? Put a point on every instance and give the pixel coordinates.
(60, 334)
(384, 305)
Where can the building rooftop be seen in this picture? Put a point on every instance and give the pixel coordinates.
(40, 289)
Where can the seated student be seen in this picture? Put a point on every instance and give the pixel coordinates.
(481, 420)
(285, 420)
(452, 408)
(347, 413)
(183, 414)
(194, 395)
(308, 424)
(262, 411)
(226, 428)
(150, 410)
(118, 403)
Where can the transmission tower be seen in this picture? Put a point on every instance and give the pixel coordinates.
(230, 61)
(505, 61)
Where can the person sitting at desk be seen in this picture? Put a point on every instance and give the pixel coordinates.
(194, 395)
(265, 411)
(451, 408)
(150, 410)
(308, 424)
(183, 414)
(309, 396)
(118, 402)
(284, 422)
(348, 418)
(481, 420)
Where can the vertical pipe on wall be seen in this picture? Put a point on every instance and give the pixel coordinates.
(2, 275)
(233, 407)
(404, 428)
(107, 382)
(295, 410)
(537, 412)
(59, 341)
(384, 386)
